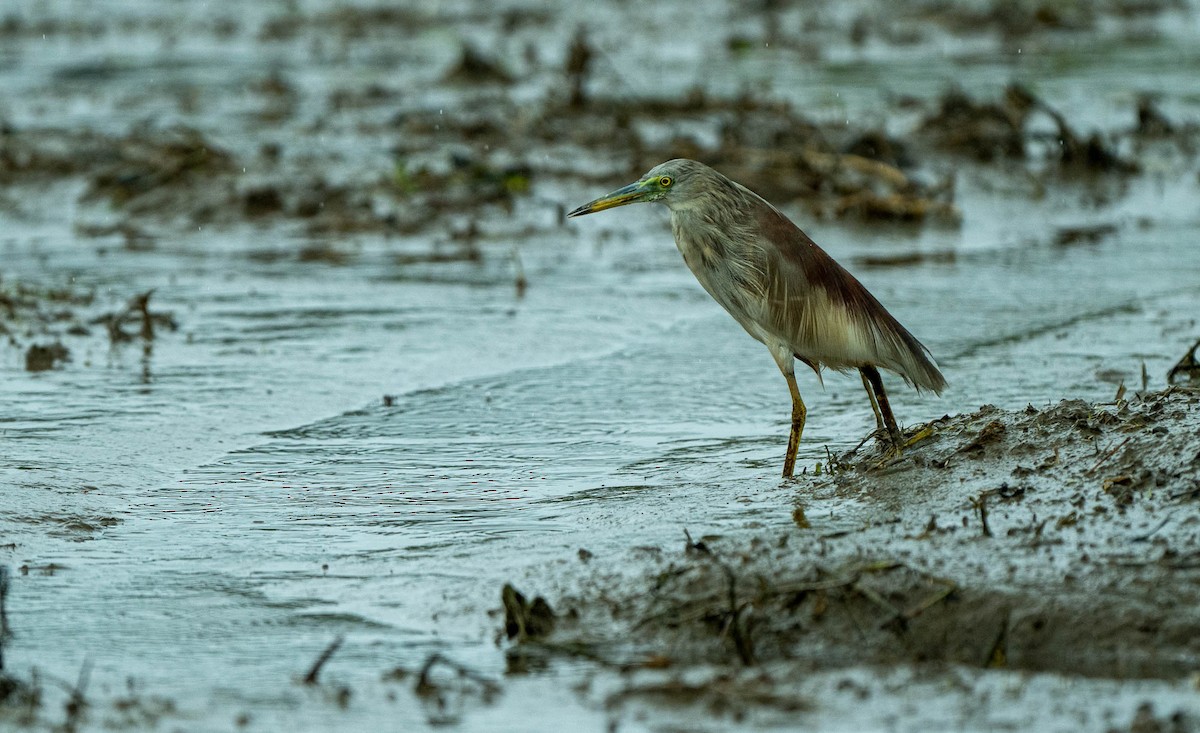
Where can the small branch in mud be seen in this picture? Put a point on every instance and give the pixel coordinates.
(141, 304)
(1192, 493)
(76, 703)
(445, 700)
(832, 463)
(893, 614)
(934, 599)
(426, 686)
(579, 58)
(525, 620)
(520, 282)
(861, 443)
(1146, 537)
(737, 630)
(1109, 454)
(137, 309)
(980, 505)
(733, 614)
(696, 547)
(1187, 370)
(997, 656)
(315, 670)
(4, 631)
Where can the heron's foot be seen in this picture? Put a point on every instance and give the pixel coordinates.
(889, 439)
(893, 451)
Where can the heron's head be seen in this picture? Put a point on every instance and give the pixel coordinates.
(674, 183)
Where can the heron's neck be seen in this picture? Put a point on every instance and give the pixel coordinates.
(709, 211)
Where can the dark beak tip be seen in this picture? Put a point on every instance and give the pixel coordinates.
(578, 212)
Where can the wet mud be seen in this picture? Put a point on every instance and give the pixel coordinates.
(227, 233)
(1057, 541)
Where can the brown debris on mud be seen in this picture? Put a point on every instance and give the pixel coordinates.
(988, 131)
(786, 158)
(1057, 540)
(1186, 372)
(483, 155)
(50, 323)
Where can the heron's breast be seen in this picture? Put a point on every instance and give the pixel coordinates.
(730, 274)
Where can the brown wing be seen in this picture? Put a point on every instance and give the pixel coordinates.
(826, 314)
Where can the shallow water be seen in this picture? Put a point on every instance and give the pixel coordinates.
(206, 516)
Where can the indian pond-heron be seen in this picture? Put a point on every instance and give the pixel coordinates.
(780, 286)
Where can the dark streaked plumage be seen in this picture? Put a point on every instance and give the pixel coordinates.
(780, 286)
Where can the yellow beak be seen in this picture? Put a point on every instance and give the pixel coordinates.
(630, 194)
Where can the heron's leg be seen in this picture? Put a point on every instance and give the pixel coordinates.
(799, 413)
(871, 374)
(874, 402)
(787, 364)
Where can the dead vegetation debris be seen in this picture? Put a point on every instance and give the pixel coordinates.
(43, 357)
(137, 710)
(1018, 19)
(1145, 720)
(5, 632)
(462, 182)
(32, 311)
(314, 671)
(1151, 122)
(1083, 234)
(985, 131)
(580, 55)
(445, 698)
(906, 259)
(476, 157)
(346, 22)
(988, 131)
(476, 67)
(50, 323)
(523, 619)
(136, 311)
(1186, 372)
(177, 177)
(20, 699)
(764, 144)
(147, 161)
(725, 695)
(1013, 18)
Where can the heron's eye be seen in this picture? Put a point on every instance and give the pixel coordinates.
(665, 181)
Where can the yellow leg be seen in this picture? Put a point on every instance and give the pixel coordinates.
(874, 403)
(799, 413)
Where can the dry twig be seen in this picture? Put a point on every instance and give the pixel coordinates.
(315, 670)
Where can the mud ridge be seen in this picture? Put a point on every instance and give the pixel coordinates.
(1059, 540)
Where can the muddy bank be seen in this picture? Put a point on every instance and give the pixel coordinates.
(1057, 540)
